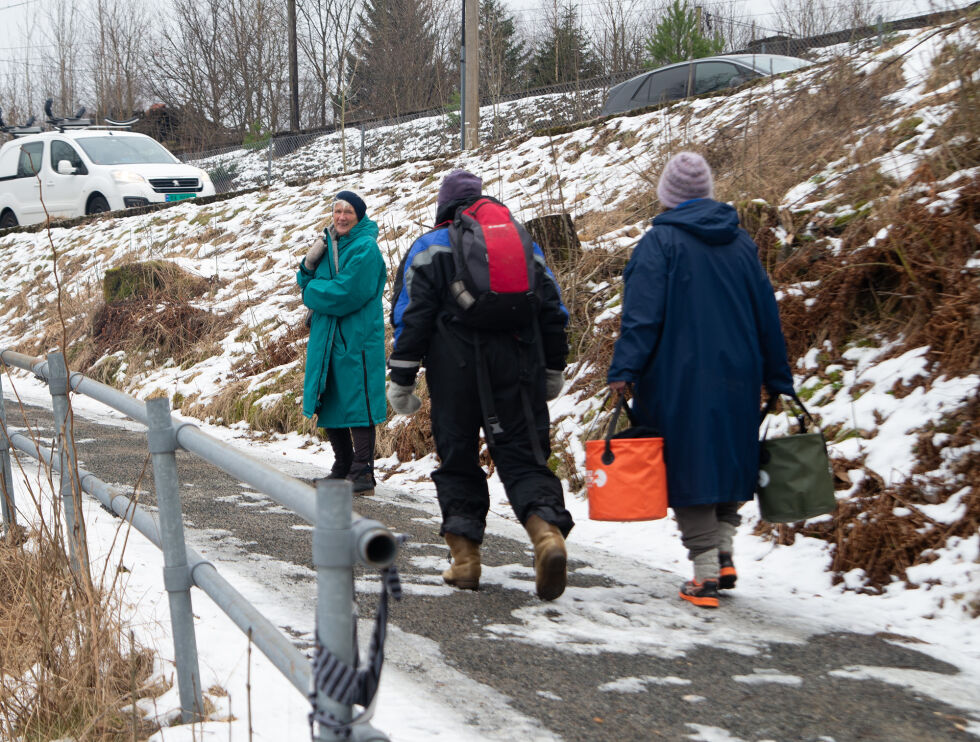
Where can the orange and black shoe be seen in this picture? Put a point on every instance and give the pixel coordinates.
(726, 574)
(704, 594)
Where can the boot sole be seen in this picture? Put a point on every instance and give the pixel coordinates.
(551, 575)
(702, 602)
(463, 584)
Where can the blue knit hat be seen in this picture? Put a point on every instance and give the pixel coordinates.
(356, 202)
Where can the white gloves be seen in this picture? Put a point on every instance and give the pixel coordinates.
(402, 399)
(315, 253)
(553, 382)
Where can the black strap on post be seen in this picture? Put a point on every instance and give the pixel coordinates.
(348, 684)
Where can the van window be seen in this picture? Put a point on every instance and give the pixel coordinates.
(710, 76)
(663, 86)
(64, 151)
(124, 150)
(30, 159)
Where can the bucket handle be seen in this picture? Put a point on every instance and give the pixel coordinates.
(621, 404)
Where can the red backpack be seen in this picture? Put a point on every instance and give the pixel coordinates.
(495, 281)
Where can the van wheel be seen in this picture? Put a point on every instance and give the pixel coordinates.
(8, 219)
(97, 205)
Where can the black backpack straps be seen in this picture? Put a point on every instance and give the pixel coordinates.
(457, 287)
(491, 425)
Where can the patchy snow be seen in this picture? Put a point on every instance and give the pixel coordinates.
(249, 246)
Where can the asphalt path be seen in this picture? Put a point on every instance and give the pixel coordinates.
(578, 690)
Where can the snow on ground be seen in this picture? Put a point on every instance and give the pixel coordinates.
(249, 246)
(640, 615)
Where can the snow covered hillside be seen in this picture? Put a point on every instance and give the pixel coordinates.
(859, 179)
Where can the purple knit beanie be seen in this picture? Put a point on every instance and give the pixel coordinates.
(459, 184)
(686, 175)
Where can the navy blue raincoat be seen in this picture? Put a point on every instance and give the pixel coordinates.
(700, 337)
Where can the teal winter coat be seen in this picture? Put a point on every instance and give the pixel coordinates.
(344, 384)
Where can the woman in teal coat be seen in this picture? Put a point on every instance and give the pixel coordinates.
(342, 279)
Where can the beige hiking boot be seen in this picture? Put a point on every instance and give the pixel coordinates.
(550, 557)
(465, 571)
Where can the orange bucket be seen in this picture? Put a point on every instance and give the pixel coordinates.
(625, 477)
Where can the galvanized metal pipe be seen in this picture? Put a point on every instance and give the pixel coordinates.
(269, 639)
(71, 494)
(375, 546)
(8, 507)
(334, 562)
(357, 539)
(176, 573)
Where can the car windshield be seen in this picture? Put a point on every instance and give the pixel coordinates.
(123, 150)
(772, 64)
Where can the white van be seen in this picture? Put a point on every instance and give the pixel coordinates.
(75, 172)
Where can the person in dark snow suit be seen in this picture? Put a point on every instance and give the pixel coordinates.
(700, 336)
(427, 329)
(342, 279)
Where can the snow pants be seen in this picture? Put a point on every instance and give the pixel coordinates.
(457, 416)
(698, 525)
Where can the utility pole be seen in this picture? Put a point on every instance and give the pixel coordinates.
(470, 74)
(293, 67)
(690, 49)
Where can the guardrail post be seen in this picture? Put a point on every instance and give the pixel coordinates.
(333, 557)
(69, 487)
(6, 473)
(162, 441)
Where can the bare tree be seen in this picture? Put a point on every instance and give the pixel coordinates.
(620, 34)
(327, 40)
(191, 72)
(120, 55)
(804, 18)
(255, 56)
(725, 20)
(63, 55)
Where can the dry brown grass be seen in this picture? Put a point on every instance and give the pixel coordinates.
(776, 147)
(66, 665)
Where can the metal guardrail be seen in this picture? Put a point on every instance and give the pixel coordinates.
(341, 537)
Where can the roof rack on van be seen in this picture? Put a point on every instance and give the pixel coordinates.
(113, 124)
(19, 131)
(62, 123)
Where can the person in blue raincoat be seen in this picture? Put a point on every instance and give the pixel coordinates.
(342, 278)
(700, 337)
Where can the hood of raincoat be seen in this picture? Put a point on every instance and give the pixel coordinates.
(710, 221)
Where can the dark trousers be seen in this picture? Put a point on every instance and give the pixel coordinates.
(353, 451)
(461, 483)
(698, 525)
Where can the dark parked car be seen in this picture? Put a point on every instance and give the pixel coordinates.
(676, 81)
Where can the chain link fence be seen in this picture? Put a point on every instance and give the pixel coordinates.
(286, 157)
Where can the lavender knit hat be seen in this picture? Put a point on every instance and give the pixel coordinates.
(459, 184)
(686, 175)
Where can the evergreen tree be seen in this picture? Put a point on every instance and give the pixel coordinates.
(564, 55)
(501, 52)
(395, 68)
(677, 37)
